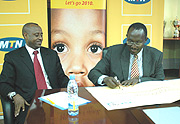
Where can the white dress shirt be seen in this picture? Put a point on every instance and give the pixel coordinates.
(30, 51)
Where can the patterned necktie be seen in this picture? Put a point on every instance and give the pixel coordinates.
(134, 68)
(40, 80)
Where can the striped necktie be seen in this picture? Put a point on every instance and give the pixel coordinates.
(134, 68)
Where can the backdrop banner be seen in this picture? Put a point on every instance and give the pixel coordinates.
(78, 35)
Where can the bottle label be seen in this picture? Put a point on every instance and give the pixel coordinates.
(73, 106)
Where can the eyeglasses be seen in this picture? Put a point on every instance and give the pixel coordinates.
(135, 43)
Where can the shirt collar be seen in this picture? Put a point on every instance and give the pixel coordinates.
(31, 50)
(139, 55)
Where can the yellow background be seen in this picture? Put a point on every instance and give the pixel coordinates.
(13, 6)
(116, 31)
(142, 9)
(14, 14)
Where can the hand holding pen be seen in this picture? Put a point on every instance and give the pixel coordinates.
(119, 84)
(111, 82)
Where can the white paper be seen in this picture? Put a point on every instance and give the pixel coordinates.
(145, 93)
(168, 115)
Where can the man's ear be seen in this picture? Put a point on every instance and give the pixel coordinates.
(146, 39)
(25, 35)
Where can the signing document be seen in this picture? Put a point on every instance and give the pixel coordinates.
(146, 93)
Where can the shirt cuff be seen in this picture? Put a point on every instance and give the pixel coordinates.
(11, 95)
(100, 80)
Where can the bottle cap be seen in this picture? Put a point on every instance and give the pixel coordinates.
(72, 77)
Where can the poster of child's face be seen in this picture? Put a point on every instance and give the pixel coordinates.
(78, 36)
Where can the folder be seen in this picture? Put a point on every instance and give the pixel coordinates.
(60, 100)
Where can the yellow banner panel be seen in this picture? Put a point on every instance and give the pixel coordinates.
(14, 7)
(78, 4)
(136, 9)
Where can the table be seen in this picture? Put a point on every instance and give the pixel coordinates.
(91, 113)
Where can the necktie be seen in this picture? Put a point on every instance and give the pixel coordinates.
(40, 80)
(134, 68)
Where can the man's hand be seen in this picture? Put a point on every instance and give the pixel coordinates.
(111, 82)
(19, 102)
(131, 82)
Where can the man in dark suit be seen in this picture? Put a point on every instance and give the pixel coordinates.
(118, 66)
(18, 80)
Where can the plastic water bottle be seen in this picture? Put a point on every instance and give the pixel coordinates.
(72, 89)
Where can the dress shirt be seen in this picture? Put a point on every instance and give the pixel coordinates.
(30, 51)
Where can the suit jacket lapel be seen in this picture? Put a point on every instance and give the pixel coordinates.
(125, 62)
(27, 59)
(146, 61)
(45, 59)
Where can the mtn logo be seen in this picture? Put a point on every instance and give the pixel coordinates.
(11, 43)
(137, 1)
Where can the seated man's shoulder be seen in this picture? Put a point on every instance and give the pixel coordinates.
(15, 52)
(48, 50)
(153, 50)
(118, 46)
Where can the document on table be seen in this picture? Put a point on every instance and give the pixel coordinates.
(60, 100)
(145, 93)
(169, 115)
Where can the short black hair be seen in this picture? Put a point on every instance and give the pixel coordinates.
(27, 25)
(138, 26)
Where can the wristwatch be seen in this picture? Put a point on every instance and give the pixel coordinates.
(11, 95)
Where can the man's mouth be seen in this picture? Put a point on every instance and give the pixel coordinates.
(133, 50)
(39, 42)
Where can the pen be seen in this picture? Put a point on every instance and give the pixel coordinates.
(117, 81)
(50, 101)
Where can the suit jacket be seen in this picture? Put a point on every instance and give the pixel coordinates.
(116, 63)
(18, 72)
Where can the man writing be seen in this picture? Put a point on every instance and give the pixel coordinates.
(130, 63)
(29, 68)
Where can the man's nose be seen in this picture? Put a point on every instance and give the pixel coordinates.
(40, 37)
(133, 45)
